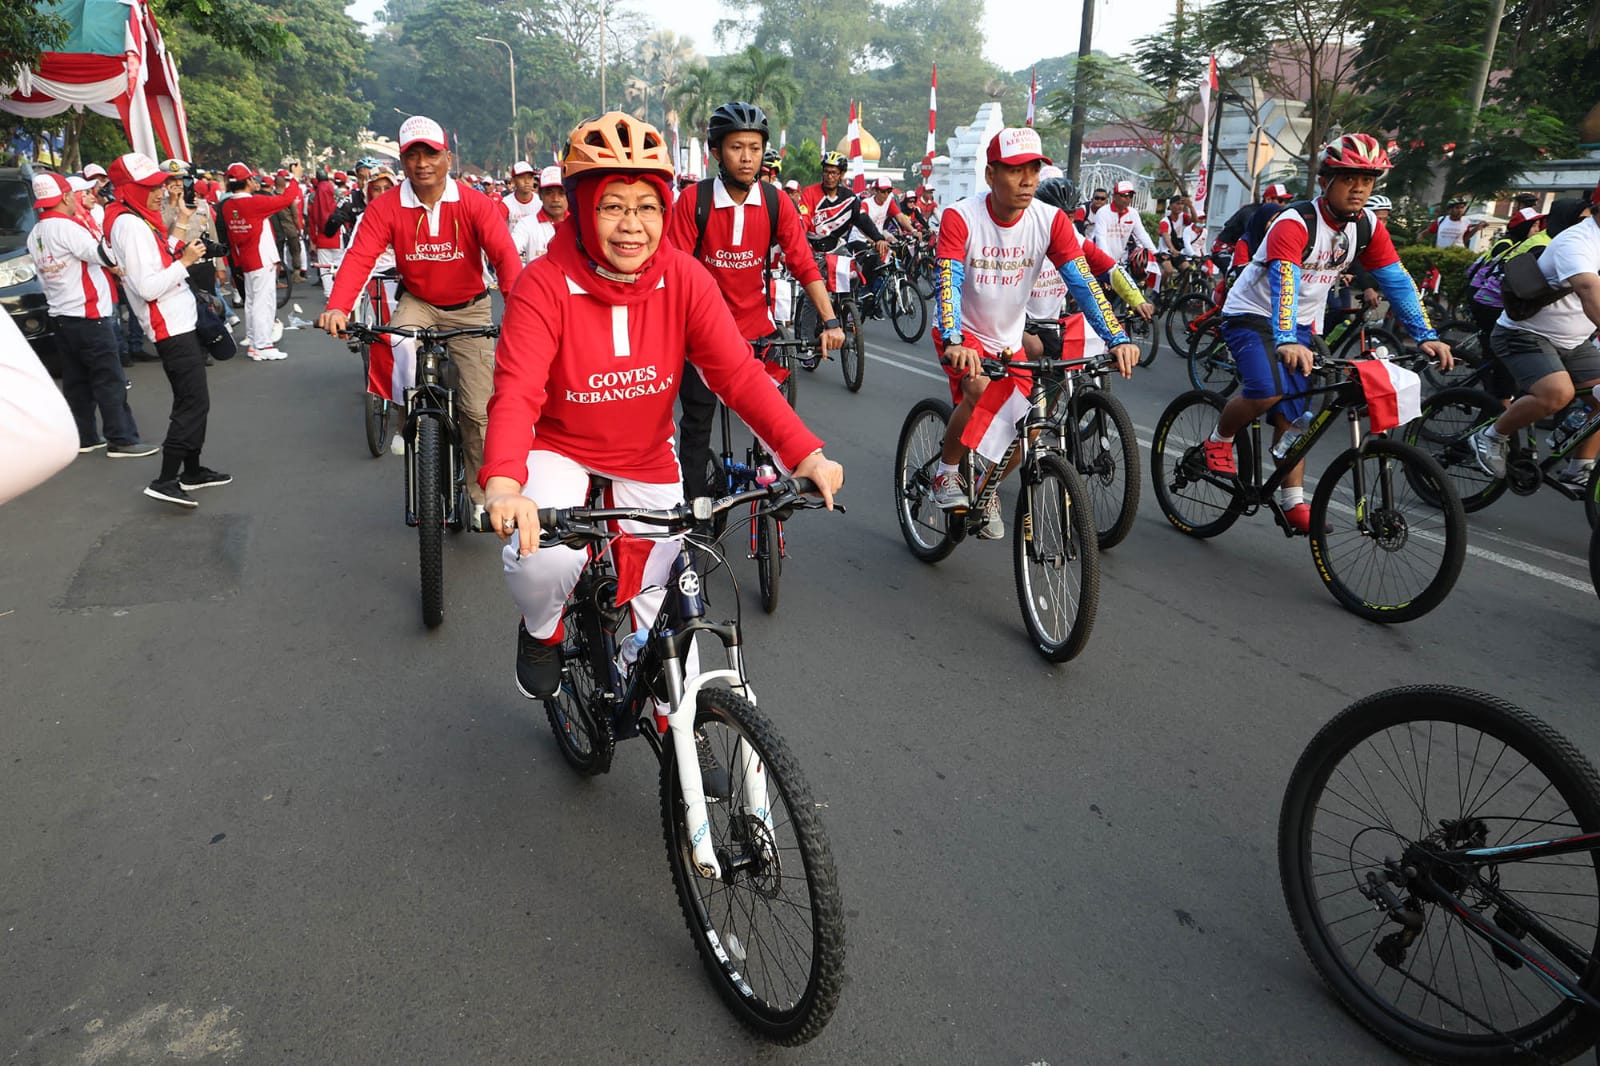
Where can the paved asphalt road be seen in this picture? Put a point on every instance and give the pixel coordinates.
(256, 813)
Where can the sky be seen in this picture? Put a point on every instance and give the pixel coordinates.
(1016, 32)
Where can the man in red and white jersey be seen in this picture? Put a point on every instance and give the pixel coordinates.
(992, 248)
(440, 231)
(521, 201)
(533, 233)
(1451, 229)
(72, 264)
(726, 223)
(1118, 222)
(155, 276)
(246, 219)
(883, 208)
(327, 249)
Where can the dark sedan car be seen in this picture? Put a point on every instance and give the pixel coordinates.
(20, 292)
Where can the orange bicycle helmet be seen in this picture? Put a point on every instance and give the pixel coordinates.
(617, 143)
(1357, 152)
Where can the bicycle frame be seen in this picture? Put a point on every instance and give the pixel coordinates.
(742, 476)
(433, 396)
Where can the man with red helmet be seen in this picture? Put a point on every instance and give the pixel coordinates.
(595, 339)
(1276, 305)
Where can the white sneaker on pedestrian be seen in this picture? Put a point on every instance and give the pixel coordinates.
(233, 320)
(994, 527)
(1490, 452)
(254, 356)
(949, 490)
(271, 353)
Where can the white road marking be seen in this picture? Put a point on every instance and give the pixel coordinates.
(1474, 550)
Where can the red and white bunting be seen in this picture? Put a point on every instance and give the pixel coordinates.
(858, 165)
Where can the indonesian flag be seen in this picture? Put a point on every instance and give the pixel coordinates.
(1208, 85)
(839, 268)
(933, 113)
(641, 563)
(677, 155)
(824, 133)
(783, 143)
(993, 425)
(1033, 90)
(858, 165)
(1078, 341)
(1394, 394)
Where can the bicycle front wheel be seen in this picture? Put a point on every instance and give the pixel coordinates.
(1106, 454)
(770, 929)
(1211, 365)
(1193, 499)
(1392, 781)
(908, 312)
(853, 356)
(1443, 433)
(924, 525)
(430, 488)
(1384, 550)
(769, 560)
(1183, 311)
(1056, 560)
(1145, 335)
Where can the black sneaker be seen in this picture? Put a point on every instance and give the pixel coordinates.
(133, 450)
(171, 492)
(204, 478)
(93, 446)
(538, 666)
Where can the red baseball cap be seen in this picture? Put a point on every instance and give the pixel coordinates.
(49, 189)
(1016, 145)
(1276, 192)
(239, 172)
(136, 168)
(419, 129)
(1527, 214)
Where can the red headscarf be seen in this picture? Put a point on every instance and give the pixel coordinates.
(571, 246)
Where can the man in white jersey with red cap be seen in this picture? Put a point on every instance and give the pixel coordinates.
(73, 267)
(533, 232)
(521, 201)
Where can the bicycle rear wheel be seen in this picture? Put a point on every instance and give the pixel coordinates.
(769, 560)
(1145, 335)
(924, 525)
(285, 285)
(1443, 431)
(1196, 501)
(583, 737)
(1106, 455)
(908, 312)
(1385, 552)
(1392, 780)
(770, 929)
(1056, 561)
(853, 356)
(1183, 311)
(430, 489)
(1211, 365)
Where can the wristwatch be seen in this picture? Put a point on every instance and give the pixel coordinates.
(833, 323)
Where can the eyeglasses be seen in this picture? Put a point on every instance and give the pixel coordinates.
(1099, 198)
(615, 212)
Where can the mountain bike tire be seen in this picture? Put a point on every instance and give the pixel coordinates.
(1211, 365)
(430, 491)
(1449, 417)
(785, 859)
(1106, 455)
(1196, 502)
(925, 527)
(1056, 561)
(908, 311)
(853, 356)
(285, 283)
(769, 561)
(583, 738)
(1398, 518)
(1183, 311)
(1424, 748)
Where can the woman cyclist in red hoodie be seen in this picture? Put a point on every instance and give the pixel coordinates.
(595, 339)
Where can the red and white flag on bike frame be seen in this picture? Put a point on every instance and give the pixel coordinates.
(1394, 394)
(993, 425)
(641, 563)
(839, 269)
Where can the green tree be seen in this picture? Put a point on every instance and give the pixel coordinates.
(25, 31)
(765, 80)
(803, 163)
(312, 89)
(242, 26)
(696, 95)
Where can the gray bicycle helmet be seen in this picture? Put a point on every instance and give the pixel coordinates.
(733, 118)
(1059, 192)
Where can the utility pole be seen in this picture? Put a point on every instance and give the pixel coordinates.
(1172, 87)
(1444, 170)
(515, 152)
(602, 56)
(1080, 78)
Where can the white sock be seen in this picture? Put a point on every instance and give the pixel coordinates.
(945, 469)
(1291, 497)
(1492, 433)
(1220, 439)
(1578, 466)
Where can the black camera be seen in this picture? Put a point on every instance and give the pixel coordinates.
(214, 249)
(188, 186)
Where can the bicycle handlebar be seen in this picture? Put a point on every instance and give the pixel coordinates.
(999, 368)
(576, 526)
(425, 334)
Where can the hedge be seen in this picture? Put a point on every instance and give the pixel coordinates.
(1452, 264)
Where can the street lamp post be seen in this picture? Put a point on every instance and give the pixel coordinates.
(513, 59)
(602, 56)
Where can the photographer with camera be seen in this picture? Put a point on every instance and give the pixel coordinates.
(199, 225)
(255, 253)
(155, 275)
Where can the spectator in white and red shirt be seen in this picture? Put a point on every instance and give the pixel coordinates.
(596, 337)
(521, 201)
(246, 220)
(74, 270)
(440, 231)
(532, 233)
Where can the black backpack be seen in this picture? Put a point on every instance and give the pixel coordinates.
(1524, 288)
(702, 215)
(1256, 232)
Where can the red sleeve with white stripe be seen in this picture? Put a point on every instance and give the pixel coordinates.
(1065, 246)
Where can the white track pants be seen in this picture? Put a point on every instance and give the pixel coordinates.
(327, 264)
(260, 304)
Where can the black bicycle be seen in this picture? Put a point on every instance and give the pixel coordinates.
(750, 859)
(847, 305)
(436, 475)
(1437, 849)
(1385, 550)
(898, 297)
(1054, 541)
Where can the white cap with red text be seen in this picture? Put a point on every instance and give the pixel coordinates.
(48, 189)
(550, 178)
(1125, 187)
(522, 166)
(419, 129)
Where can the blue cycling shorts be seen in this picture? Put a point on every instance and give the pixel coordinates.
(1262, 375)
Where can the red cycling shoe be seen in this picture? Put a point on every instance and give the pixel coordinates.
(1219, 457)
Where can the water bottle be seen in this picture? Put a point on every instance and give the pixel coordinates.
(629, 649)
(1296, 430)
(1569, 425)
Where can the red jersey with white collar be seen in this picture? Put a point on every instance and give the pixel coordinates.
(69, 260)
(438, 251)
(597, 382)
(244, 217)
(735, 248)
